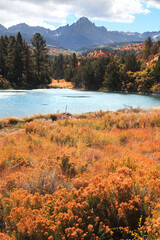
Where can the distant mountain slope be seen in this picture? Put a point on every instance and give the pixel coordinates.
(28, 32)
(82, 33)
(3, 30)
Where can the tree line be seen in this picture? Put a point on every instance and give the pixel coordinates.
(21, 64)
(123, 72)
(28, 66)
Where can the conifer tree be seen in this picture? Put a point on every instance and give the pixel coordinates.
(3, 55)
(10, 63)
(157, 71)
(74, 61)
(111, 77)
(19, 58)
(131, 63)
(41, 58)
(147, 48)
(28, 66)
(58, 66)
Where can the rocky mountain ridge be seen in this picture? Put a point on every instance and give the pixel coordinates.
(82, 33)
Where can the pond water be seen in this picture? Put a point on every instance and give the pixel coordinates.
(20, 103)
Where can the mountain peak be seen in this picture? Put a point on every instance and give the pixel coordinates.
(82, 33)
(20, 25)
(84, 20)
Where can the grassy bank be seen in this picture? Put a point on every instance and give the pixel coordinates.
(88, 176)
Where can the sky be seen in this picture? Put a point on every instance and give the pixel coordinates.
(120, 15)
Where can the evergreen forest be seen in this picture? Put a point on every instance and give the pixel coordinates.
(31, 66)
(23, 65)
(114, 70)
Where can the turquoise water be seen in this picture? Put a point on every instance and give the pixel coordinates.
(29, 102)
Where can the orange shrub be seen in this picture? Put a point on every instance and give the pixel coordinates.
(90, 176)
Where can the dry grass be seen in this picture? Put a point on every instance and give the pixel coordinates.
(90, 176)
(60, 84)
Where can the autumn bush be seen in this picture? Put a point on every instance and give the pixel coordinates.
(94, 176)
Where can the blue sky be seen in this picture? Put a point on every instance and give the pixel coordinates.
(120, 15)
(141, 23)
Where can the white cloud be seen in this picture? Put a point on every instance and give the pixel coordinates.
(152, 3)
(38, 12)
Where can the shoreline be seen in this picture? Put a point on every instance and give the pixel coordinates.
(78, 89)
(10, 121)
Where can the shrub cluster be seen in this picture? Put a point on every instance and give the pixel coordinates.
(102, 184)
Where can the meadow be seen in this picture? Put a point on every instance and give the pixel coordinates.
(89, 176)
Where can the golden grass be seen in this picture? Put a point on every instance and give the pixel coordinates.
(60, 84)
(89, 176)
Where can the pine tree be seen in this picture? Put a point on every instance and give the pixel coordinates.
(41, 59)
(74, 61)
(131, 63)
(99, 71)
(3, 55)
(19, 39)
(111, 77)
(157, 71)
(28, 65)
(147, 48)
(10, 63)
(58, 66)
(19, 58)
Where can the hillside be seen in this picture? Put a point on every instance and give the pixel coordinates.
(133, 47)
(96, 176)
